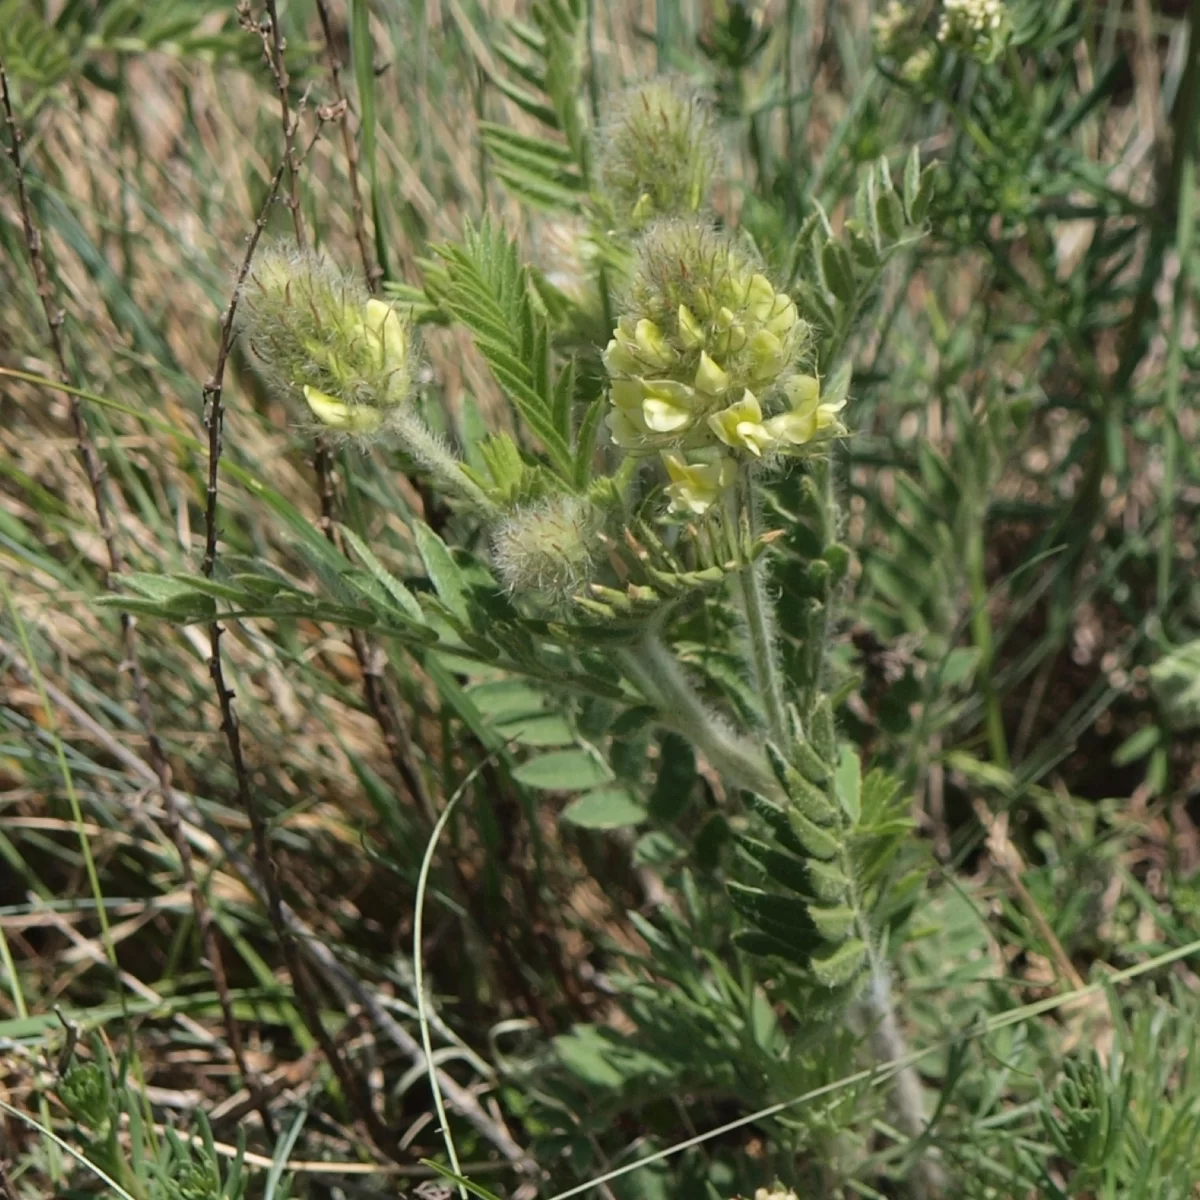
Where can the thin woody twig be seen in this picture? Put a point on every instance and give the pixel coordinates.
(271, 36)
(309, 1009)
(7, 1192)
(94, 468)
(371, 269)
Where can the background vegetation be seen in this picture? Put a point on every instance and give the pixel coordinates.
(1013, 644)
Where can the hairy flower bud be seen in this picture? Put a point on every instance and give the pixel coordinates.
(319, 336)
(548, 547)
(659, 153)
(977, 28)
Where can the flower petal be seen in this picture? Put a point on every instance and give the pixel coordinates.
(663, 416)
(346, 418)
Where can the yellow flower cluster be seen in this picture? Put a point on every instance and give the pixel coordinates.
(376, 335)
(708, 348)
(318, 335)
(979, 28)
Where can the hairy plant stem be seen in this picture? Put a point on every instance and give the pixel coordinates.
(428, 450)
(657, 672)
(889, 1044)
(756, 606)
(875, 1009)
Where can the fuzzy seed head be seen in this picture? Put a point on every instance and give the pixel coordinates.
(977, 28)
(320, 337)
(659, 153)
(548, 547)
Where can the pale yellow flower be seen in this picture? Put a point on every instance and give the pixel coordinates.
(810, 418)
(740, 426)
(345, 418)
(696, 486)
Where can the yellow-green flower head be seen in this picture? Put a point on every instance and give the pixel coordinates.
(320, 337)
(919, 65)
(658, 153)
(705, 331)
(892, 28)
(548, 547)
(978, 28)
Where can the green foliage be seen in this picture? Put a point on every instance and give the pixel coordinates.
(489, 291)
(103, 1105)
(812, 670)
(547, 57)
(44, 50)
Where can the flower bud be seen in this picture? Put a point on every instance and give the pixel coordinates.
(319, 336)
(659, 153)
(979, 29)
(546, 547)
(894, 30)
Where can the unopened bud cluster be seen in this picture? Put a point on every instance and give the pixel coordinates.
(320, 336)
(892, 30)
(705, 350)
(977, 28)
(659, 153)
(547, 547)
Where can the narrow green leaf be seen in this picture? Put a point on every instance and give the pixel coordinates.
(563, 771)
(676, 778)
(763, 945)
(849, 782)
(890, 214)
(543, 729)
(406, 602)
(837, 967)
(912, 181)
(1137, 746)
(448, 581)
(839, 271)
(605, 808)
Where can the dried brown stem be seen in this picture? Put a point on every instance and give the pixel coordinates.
(350, 1084)
(271, 35)
(371, 269)
(7, 1191)
(94, 468)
